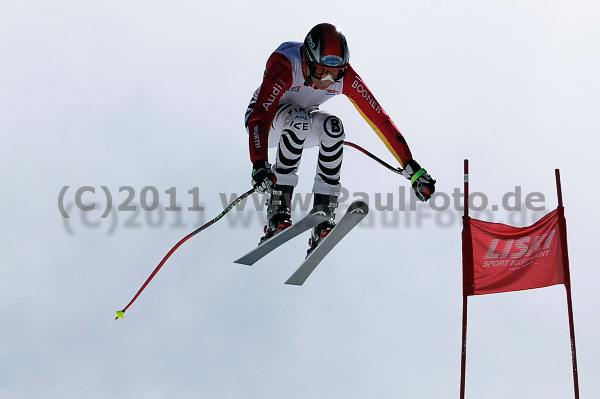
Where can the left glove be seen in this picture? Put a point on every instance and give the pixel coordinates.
(262, 177)
(422, 183)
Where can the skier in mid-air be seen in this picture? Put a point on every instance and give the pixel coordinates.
(284, 113)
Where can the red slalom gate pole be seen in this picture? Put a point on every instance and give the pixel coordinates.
(463, 358)
(565, 253)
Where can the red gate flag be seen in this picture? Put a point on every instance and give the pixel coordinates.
(502, 258)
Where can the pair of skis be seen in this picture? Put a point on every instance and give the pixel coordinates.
(355, 213)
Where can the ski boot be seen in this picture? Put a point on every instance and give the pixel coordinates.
(319, 232)
(279, 214)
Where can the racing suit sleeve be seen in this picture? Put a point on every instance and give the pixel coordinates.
(276, 81)
(366, 104)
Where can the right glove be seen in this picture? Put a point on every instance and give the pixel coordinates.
(422, 183)
(262, 177)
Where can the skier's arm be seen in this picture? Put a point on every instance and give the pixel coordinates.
(276, 81)
(362, 98)
(370, 109)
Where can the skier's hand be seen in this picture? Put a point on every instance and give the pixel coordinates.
(262, 178)
(422, 183)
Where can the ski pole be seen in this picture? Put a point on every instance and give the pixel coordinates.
(121, 313)
(374, 157)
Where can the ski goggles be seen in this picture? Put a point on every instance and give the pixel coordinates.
(321, 72)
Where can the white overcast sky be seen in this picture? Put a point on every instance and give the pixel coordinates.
(147, 93)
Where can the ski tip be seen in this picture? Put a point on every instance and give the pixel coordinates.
(243, 261)
(295, 282)
(120, 314)
(358, 207)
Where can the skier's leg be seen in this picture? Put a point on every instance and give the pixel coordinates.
(293, 125)
(326, 187)
(290, 128)
(330, 130)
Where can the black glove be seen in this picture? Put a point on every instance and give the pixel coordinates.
(421, 181)
(262, 178)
